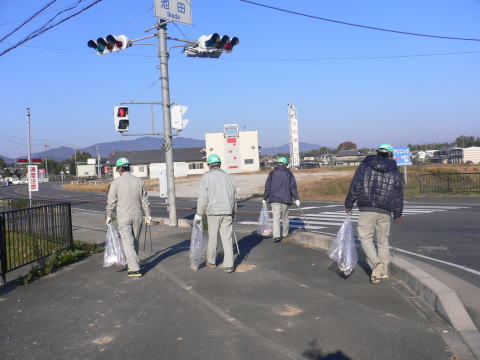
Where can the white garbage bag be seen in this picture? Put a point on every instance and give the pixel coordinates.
(114, 254)
(264, 226)
(343, 249)
(198, 245)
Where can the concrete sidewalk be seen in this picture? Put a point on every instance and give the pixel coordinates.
(282, 302)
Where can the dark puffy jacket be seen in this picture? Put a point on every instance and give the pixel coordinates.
(377, 186)
(280, 186)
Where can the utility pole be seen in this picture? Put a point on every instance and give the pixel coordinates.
(98, 162)
(29, 146)
(46, 161)
(167, 123)
(75, 165)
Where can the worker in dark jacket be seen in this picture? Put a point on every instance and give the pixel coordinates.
(377, 188)
(280, 189)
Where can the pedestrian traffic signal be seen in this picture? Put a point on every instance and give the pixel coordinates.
(177, 112)
(109, 44)
(120, 115)
(211, 46)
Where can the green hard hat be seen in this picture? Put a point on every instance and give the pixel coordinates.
(282, 160)
(122, 161)
(212, 159)
(385, 147)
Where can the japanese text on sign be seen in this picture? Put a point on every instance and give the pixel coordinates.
(33, 178)
(402, 156)
(174, 10)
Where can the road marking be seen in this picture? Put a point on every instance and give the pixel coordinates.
(440, 261)
(93, 211)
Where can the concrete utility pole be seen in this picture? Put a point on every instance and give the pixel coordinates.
(98, 162)
(29, 146)
(167, 123)
(46, 161)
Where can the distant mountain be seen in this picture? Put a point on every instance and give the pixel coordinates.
(106, 148)
(7, 159)
(285, 149)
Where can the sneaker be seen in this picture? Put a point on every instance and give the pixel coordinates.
(134, 273)
(385, 274)
(375, 277)
(276, 240)
(210, 265)
(228, 269)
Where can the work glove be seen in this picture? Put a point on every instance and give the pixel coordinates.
(148, 220)
(297, 202)
(197, 218)
(109, 220)
(264, 202)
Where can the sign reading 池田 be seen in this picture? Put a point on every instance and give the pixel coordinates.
(174, 10)
(402, 156)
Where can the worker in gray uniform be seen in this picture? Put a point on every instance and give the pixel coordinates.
(128, 194)
(217, 199)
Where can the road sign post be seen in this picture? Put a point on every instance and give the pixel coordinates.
(403, 158)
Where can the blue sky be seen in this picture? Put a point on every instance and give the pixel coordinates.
(325, 69)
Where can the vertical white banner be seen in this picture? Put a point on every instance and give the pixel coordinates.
(163, 183)
(294, 141)
(32, 177)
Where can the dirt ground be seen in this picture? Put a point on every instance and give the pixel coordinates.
(248, 185)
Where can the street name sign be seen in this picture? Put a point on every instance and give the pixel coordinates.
(402, 156)
(174, 10)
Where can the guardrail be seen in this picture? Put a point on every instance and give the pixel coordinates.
(31, 230)
(450, 182)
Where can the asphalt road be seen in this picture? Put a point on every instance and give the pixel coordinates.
(443, 231)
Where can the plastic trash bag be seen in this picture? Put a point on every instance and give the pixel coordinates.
(264, 226)
(343, 249)
(198, 246)
(114, 254)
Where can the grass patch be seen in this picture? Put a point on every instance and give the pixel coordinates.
(325, 189)
(102, 187)
(60, 258)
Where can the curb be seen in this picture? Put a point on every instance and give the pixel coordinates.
(436, 294)
(181, 222)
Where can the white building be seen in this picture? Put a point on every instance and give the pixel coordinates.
(149, 163)
(238, 150)
(471, 155)
(86, 170)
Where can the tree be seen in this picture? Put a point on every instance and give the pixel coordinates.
(467, 141)
(347, 145)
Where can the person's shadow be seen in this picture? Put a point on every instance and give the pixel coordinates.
(151, 261)
(314, 353)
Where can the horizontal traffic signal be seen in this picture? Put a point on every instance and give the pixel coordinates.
(211, 46)
(109, 44)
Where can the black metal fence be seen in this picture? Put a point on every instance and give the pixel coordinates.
(450, 182)
(31, 230)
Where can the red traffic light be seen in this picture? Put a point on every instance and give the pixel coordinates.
(122, 112)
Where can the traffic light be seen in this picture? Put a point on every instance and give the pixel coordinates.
(120, 115)
(177, 112)
(109, 44)
(211, 46)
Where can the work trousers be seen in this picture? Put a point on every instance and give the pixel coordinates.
(369, 224)
(130, 228)
(280, 211)
(222, 224)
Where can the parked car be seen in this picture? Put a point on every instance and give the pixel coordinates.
(307, 165)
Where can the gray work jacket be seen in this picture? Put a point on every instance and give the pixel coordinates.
(128, 194)
(217, 194)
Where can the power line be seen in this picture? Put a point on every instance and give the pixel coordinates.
(28, 20)
(43, 29)
(358, 25)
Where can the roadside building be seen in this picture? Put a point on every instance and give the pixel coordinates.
(471, 155)
(238, 150)
(150, 163)
(455, 155)
(349, 158)
(440, 156)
